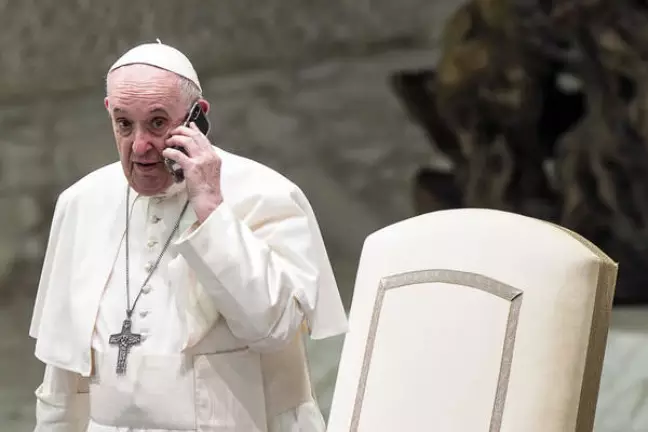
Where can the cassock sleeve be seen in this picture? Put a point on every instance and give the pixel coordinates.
(61, 402)
(259, 265)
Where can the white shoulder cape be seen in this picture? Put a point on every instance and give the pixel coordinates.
(86, 231)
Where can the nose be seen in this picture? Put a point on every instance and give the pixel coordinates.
(142, 142)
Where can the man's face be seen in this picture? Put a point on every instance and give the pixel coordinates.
(144, 103)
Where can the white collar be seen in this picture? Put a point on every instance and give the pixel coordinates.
(172, 191)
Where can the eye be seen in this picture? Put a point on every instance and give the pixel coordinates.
(123, 125)
(158, 122)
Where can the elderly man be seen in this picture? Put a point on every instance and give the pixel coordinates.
(179, 304)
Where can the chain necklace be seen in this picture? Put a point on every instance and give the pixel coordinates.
(126, 339)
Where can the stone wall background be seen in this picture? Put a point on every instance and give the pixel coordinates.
(66, 45)
(301, 87)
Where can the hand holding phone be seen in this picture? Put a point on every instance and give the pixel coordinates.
(196, 115)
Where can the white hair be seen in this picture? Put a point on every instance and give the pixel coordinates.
(189, 90)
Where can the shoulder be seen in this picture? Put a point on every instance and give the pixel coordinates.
(97, 187)
(244, 176)
(250, 187)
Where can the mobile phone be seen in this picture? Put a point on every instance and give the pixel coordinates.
(197, 116)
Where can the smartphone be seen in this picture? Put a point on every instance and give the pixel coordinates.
(195, 115)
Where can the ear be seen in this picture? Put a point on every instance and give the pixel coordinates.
(106, 104)
(204, 104)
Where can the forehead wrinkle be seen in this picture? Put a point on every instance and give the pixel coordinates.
(133, 90)
(143, 82)
(151, 111)
(144, 90)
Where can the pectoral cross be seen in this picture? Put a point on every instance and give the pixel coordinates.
(125, 340)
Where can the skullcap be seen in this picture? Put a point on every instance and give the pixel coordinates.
(161, 56)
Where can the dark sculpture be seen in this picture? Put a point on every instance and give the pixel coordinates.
(521, 138)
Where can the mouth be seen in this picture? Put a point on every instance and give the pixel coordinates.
(147, 166)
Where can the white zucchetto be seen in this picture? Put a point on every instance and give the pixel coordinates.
(161, 56)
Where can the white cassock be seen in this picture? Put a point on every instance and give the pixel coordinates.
(222, 319)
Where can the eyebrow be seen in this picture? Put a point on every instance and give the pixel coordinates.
(157, 110)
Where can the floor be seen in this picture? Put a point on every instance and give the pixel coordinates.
(623, 401)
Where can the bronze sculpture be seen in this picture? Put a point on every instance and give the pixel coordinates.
(521, 138)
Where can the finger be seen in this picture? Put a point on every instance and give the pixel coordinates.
(194, 133)
(188, 144)
(191, 131)
(176, 155)
(182, 130)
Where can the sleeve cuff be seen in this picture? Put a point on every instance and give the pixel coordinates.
(200, 238)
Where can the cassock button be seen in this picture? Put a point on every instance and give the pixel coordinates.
(151, 243)
(155, 219)
(149, 266)
(143, 313)
(146, 289)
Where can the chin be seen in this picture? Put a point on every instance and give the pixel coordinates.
(148, 186)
